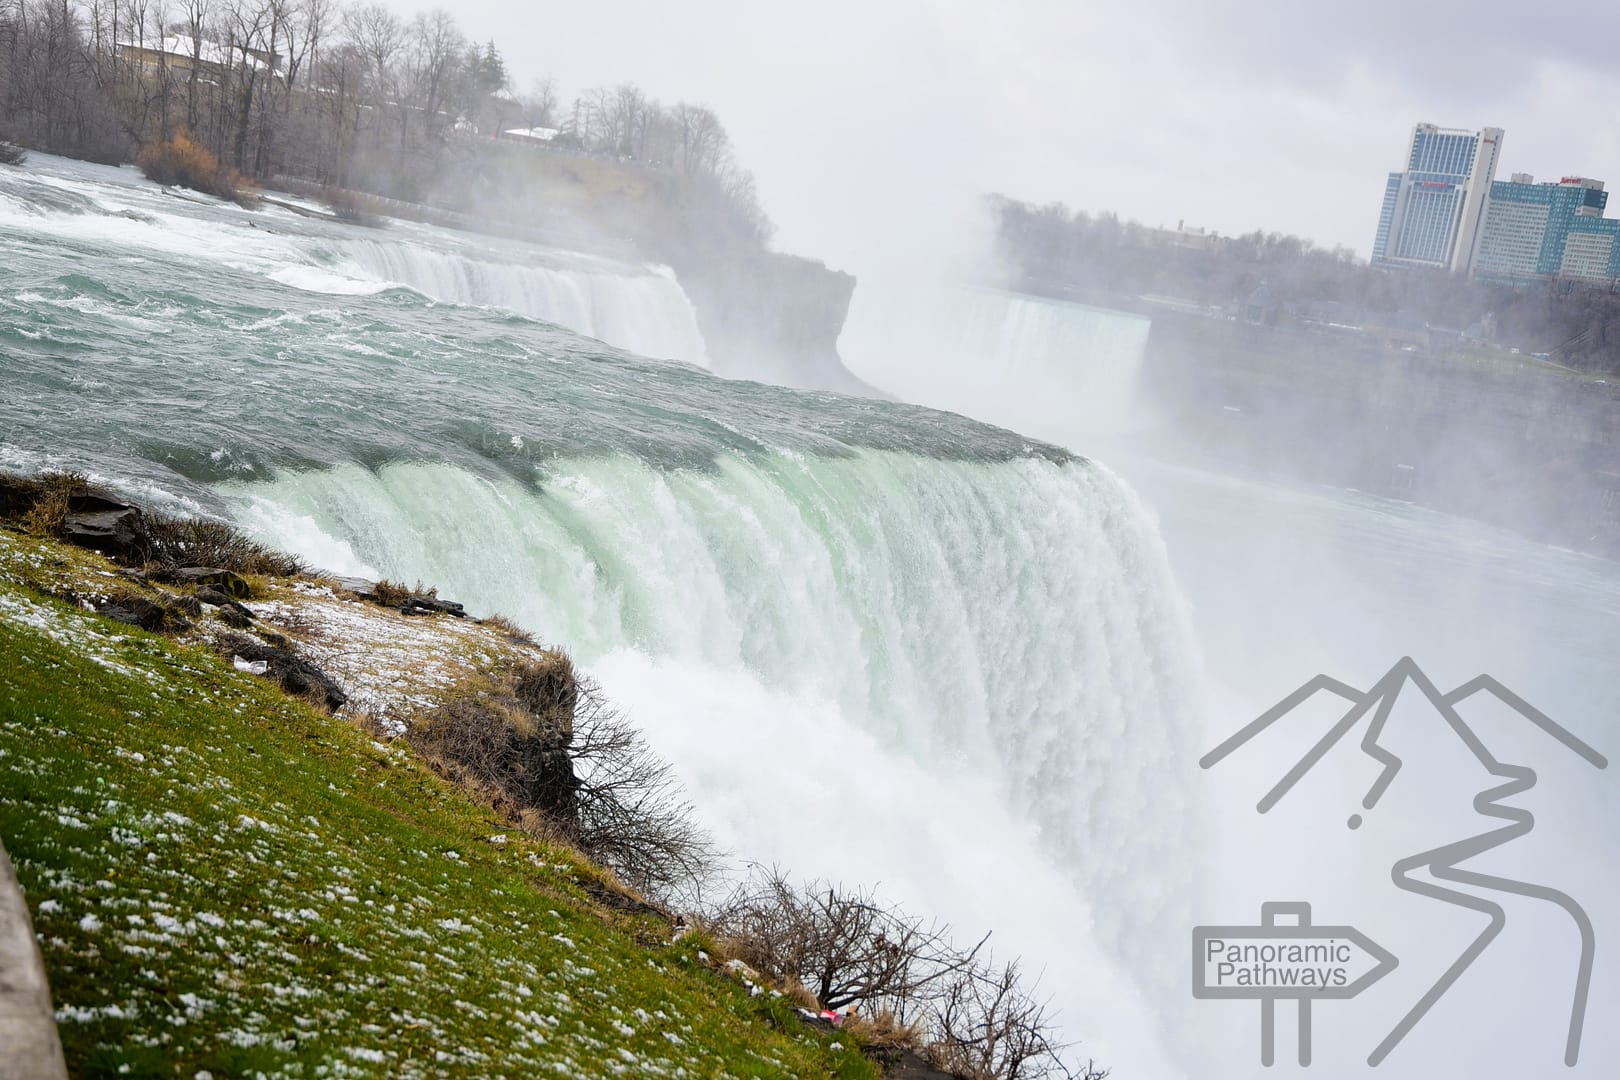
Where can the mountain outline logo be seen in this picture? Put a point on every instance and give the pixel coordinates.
(1443, 863)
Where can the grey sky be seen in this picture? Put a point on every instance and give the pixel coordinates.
(867, 119)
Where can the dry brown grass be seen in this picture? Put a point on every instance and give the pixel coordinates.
(390, 593)
(548, 689)
(884, 1030)
(396, 594)
(514, 633)
(799, 994)
(39, 504)
(48, 514)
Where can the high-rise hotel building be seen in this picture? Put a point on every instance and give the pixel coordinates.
(1550, 230)
(1434, 209)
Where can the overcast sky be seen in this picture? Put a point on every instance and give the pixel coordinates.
(867, 121)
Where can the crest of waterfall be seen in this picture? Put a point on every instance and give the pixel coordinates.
(639, 308)
(1053, 369)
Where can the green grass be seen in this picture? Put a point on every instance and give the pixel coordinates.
(224, 880)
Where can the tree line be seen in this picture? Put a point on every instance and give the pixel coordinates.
(347, 95)
(1052, 249)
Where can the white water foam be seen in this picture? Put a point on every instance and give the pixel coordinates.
(642, 309)
(317, 280)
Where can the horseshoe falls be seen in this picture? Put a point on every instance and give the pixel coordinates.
(1054, 369)
(880, 643)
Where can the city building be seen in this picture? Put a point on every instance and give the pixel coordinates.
(1434, 208)
(1550, 230)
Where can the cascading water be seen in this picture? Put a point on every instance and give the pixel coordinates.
(642, 309)
(1053, 369)
(880, 643)
(1008, 626)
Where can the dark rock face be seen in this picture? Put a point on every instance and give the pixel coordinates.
(773, 318)
(296, 675)
(909, 1065)
(104, 525)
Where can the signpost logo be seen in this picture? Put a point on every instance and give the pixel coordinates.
(1299, 961)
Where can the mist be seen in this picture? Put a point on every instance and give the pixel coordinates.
(978, 665)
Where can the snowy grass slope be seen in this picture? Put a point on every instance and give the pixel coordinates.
(227, 882)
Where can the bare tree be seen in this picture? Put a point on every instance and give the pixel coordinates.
(540, 105)
(435, 48)
(844, 945)
(988, 1025)
(632, 814)
(702, 142)
(376, 33)
(852, 950)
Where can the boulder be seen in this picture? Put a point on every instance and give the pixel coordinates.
(365, 590)
(144, 613)
(207, 594)
(389, 596)
(432, 605)
(227, 582)
(104, 525)
(296, 675)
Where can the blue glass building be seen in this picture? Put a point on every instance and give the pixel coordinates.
(1541, 231)
(1434, 208)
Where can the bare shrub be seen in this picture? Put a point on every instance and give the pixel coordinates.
(175, 542)
(903, 983)
(845, 946)
(12, 154)
(540, 743)
(345, 206)
(985, 1024)
(633, 816)
(182, 162)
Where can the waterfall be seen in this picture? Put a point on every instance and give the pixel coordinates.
(994, 650)
(1048, 368)
(639, 308)
(879, 643)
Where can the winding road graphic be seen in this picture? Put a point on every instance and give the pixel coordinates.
(1442, 866)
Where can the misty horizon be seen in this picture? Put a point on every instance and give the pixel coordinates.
(1266, 116)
